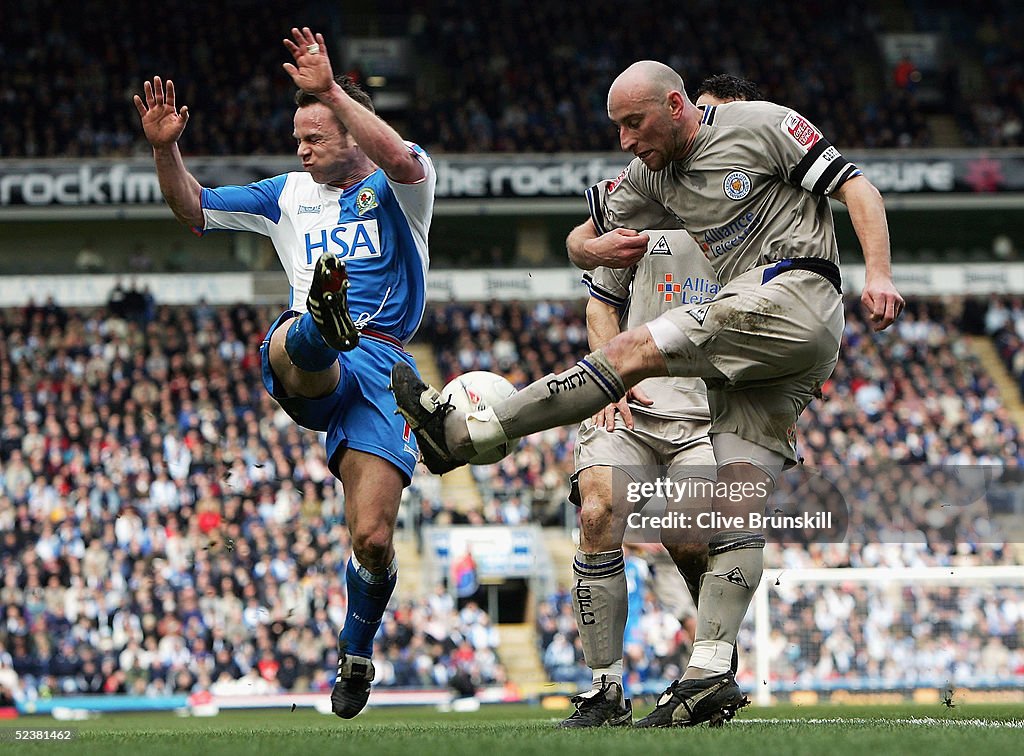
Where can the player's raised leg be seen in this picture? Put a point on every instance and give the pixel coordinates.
(600, 601)
(601, 377)
(373, 491)
(304, 354)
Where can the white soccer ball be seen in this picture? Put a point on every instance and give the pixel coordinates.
(474, 391)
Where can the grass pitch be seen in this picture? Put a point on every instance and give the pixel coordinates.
(499, 730)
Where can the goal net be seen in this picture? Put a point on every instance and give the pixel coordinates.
(838, 633)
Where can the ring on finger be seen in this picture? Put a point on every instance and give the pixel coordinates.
(313, 49)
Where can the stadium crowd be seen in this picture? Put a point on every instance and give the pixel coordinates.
(1004, 323)
(993, 115)
(495, 77)
(164, 527)
(563, 59)
(900, 635)
(910, 439)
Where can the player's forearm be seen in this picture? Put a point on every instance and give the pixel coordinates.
(602, 323)
(576, 245)
(179, 187)
(867, 213)
(381, 143)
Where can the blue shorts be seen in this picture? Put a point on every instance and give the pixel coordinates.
(360, 412)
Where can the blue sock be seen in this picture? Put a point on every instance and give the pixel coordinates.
(368, 597)
(306, 347)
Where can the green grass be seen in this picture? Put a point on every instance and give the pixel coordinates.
(967, 730)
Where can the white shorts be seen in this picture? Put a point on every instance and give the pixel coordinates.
(776, 343)
(682, 448)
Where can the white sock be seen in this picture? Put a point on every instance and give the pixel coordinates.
(714, 656)
(485, 431)
(609, 674)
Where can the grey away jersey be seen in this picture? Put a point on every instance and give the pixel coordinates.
(753, 189)
(671, 274)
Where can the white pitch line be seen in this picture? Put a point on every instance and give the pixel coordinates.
(1012, 724)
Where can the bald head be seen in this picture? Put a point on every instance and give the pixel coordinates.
(645, 80)
(655, 118)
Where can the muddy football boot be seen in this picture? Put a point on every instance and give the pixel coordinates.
(328, 303)
(686, 703)
(423, 409)
(600, 707)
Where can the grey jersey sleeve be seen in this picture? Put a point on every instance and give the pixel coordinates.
(610, 285)
(805, 157)
(624, 202)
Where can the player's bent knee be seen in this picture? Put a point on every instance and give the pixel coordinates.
(634, 355)
(373, 547)
(293, 380)
(686, 555)
(596, 520)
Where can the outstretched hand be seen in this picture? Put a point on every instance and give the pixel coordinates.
(162, 122)
(312, 69)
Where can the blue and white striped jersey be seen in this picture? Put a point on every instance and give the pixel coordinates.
(379, 227)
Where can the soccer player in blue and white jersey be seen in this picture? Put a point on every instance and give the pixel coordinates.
(351, 232)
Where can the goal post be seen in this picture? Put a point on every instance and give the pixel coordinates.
(882, 629)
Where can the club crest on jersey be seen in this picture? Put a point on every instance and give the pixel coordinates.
(800, 130)
(736, 185)
(366, 200)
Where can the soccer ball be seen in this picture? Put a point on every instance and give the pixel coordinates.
(474, 391)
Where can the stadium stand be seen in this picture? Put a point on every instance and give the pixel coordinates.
(898, 401)
(495, 77)
(1004, 322)
(164, 528)
(988, 36)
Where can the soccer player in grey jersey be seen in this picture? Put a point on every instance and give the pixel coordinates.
(750, 182)
(660, 427)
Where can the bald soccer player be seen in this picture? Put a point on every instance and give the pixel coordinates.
(661, 426)
(750, 182)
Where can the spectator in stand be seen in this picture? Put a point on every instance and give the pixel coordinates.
(489, 52)
(63, 378)
(109, 582)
